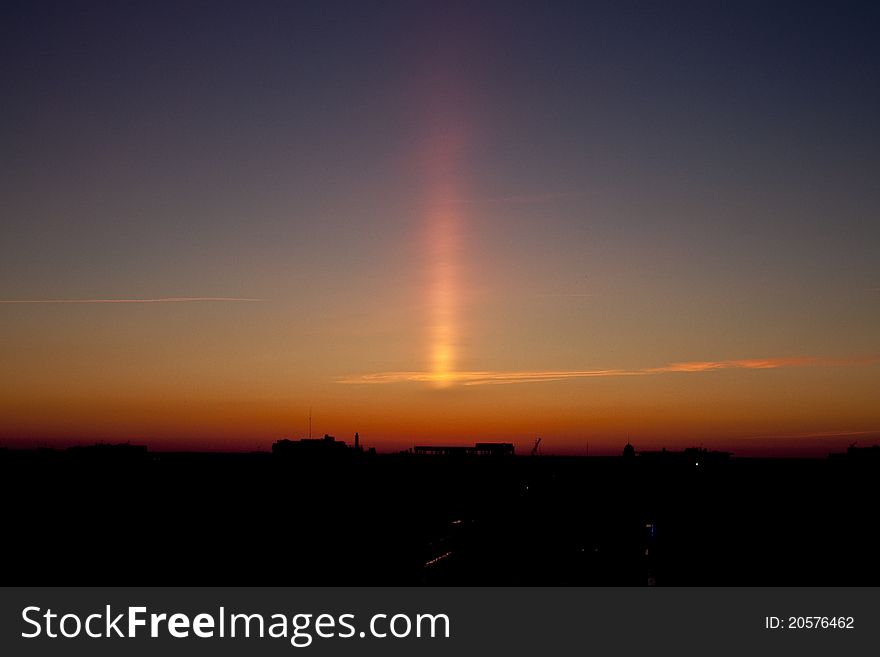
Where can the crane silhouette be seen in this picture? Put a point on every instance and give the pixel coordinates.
(535, 448)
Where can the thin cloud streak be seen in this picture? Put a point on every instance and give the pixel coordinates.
(689, 367)
(157, 300)
(814, 434)
(481, 378)
(744, 364)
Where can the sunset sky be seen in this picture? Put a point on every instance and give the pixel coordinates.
(441, 222)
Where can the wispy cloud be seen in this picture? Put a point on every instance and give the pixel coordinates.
(744, 364)
(481, 378)
(815, 434)
(474, 378)
(156, 300)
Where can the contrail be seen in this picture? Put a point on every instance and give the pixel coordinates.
(814, 434)
(156, 300)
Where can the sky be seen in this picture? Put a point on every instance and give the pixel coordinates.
(441, 222)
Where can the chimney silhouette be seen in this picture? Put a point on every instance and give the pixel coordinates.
(357, 441)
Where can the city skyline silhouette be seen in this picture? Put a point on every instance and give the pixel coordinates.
(320, 511)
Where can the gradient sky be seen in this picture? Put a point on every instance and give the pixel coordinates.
(441, 222)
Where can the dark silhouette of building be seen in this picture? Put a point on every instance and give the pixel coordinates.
(106, 452)
(695, 456)
(629, 451)
(871, 453)
(479, 449)
(860, 455)
(326, 447)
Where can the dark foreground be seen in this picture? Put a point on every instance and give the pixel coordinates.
(259, 519)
